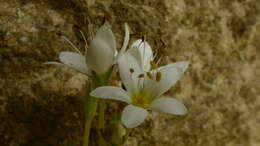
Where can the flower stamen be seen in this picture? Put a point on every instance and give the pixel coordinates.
(150, 76)
(158, 76)
(140, 83)
(158, 61)
(84, 38)
(141, 76)
(132, 77)
(131, 70)
(72, 45)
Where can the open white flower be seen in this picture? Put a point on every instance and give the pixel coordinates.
(144, 89)
(100, 55)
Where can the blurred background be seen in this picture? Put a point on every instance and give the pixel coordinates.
(41, 105)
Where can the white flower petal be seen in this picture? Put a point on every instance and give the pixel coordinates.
(56, 63)
(110, 92)
(126, 41)
(134, 51)
(101, 52)
(99, 57)
(142, 51)
(130, 80)
(170, 74)
(144, 48)
(106, 35)
(132, 116)
(181, 65)
(169, 105)
(73, 60)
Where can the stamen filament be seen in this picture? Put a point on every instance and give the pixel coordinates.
(132, 78)
(72, 45)
(158, 61)
(140, 83)
(84, 37)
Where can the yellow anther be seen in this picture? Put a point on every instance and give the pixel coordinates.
(131, 70)
(149, 75)
(158, 76)
(141, 76)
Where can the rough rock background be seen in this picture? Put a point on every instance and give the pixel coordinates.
(40, 105)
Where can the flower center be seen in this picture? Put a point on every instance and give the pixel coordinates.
(141, 100)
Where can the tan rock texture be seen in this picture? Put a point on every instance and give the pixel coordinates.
(41, 105)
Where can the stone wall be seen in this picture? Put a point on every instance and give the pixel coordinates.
(41, 105)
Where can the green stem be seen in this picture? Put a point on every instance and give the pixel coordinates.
(102, 80)
(101, 116)
(90, 110)
(90, 105)
(87, 132)
(101, 122)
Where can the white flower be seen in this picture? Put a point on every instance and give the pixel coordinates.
(144, 89)
(102, 53)
(100, 56)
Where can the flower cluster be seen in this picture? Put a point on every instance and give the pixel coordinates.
(144, 82)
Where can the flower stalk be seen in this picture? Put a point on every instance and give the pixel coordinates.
(90, 106)
(101, 122)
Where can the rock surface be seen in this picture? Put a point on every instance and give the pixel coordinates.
(40, 105)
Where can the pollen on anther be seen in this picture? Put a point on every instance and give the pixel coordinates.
(141, 76)
(131, 70)
(149, 75)
(158, 76)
